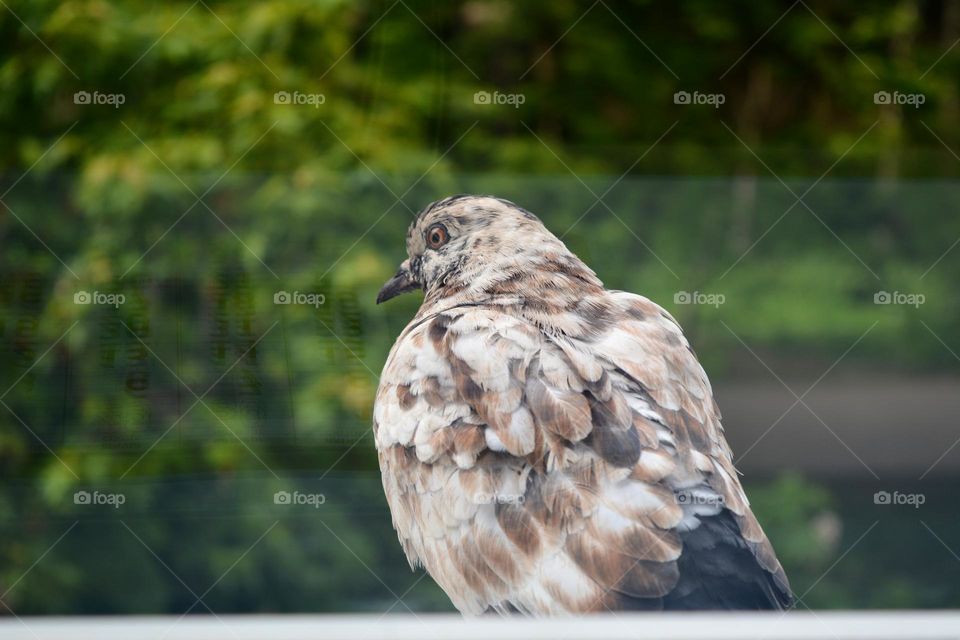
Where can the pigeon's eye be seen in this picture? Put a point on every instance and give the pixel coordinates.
(437, 236)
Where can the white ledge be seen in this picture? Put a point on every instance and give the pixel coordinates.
(836, 625)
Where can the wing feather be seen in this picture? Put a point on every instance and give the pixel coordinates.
(549, 474)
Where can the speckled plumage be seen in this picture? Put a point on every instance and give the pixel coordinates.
(549, 446)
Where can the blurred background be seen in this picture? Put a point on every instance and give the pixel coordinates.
(201, 199)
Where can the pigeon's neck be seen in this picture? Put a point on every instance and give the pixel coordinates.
(540, 286)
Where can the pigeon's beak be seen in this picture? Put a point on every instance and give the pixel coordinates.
(401, 282)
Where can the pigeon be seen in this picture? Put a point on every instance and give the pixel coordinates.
(551, 447)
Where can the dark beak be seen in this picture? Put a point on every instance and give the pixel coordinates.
(401, 282)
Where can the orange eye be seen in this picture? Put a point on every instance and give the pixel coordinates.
(437, 236)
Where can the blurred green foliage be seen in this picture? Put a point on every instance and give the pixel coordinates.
(202, 196)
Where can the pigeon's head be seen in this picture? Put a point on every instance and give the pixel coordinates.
(477, 247)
